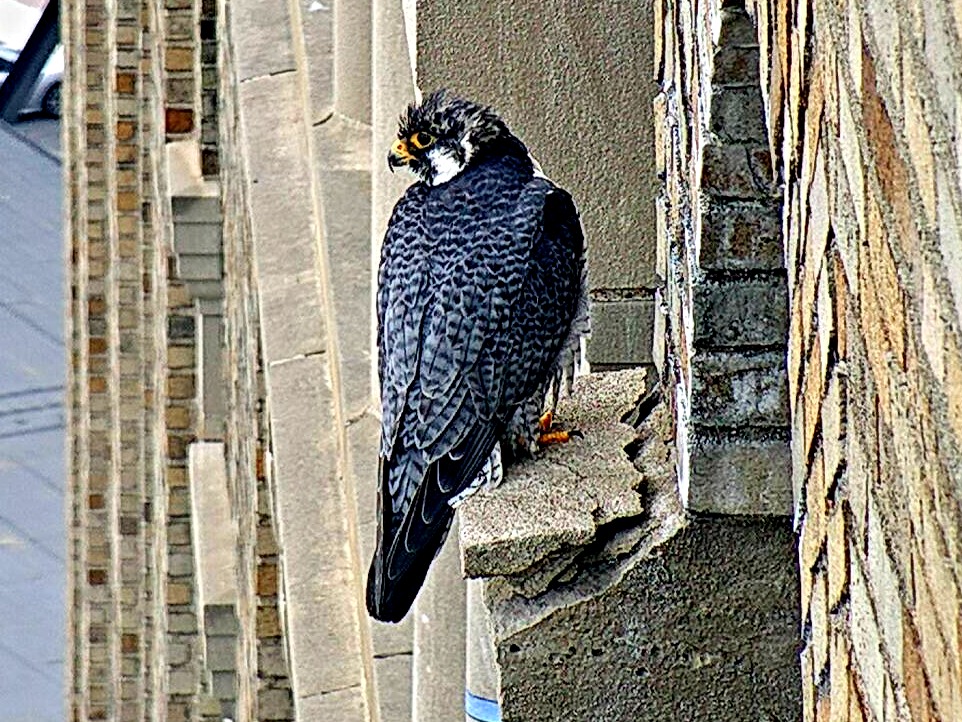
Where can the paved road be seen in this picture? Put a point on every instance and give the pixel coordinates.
(41, 132)
(32, 471)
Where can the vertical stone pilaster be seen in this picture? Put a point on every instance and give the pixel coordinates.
(98, 629)
(74, 129)
(440, 631)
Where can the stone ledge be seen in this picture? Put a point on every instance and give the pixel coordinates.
(556, 503)
(663, 605)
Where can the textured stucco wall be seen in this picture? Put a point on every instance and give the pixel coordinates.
(575, 81)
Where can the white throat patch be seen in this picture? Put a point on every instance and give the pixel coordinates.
(445, 165)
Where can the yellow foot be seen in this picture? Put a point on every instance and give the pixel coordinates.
(552, 434)
(550, 438)
(544, 423)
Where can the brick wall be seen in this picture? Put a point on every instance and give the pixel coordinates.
(864, 121)
(136, 651)
(721, 321)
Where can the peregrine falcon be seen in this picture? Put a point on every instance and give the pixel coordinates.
(481, 306)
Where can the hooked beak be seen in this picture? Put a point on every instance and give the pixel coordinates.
(399, 155)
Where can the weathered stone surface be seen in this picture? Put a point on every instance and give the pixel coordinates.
(275, 704)
(393, 675)
(740, 472)
(673, 620)
(440, 632)
(559, 500)
(742, 235)
(345, 144)
(734, 171)
(293, 312)
(741, 312)
(323, 637)
(737, 65)
(347, 210)
(353, 59)
(213, 527)
(262, 35)
(317, 28)
(221, 654)
(737, 115)
(731, 389)
(342, 704)
(279, 178)
(220, 620)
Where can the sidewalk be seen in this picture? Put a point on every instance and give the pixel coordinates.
(32, 469)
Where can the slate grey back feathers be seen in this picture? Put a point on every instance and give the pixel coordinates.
(479, 283)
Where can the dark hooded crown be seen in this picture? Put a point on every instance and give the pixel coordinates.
(449, 117)
(445, 134)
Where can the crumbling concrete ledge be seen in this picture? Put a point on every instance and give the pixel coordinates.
(557, 501)
(606, 600)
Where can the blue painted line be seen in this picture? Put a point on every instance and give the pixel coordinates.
(481, 709)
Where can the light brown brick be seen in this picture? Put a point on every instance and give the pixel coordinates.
(125, 130)
(179, 357)
(97, 346)
(126, 153)
(268, 623)
(267, 580)
(178, 417)
(180, 387)
(178, 593)
(179, 59)
(126, 83)
(128, 201)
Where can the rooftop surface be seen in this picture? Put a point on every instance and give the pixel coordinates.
(32, 470)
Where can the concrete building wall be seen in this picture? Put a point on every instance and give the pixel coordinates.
(575, 82)
(864, 120)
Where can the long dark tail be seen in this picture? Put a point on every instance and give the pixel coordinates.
(390, 600)
(406, 546)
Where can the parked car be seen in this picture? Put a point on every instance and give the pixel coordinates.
(45, 97)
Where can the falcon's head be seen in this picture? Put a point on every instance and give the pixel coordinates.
(442, 135)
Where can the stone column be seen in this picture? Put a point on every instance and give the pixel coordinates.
(482, 685)
(439, 633)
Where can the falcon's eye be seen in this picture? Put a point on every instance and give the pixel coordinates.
(422, 140)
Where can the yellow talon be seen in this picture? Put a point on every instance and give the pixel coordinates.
(544, 423)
